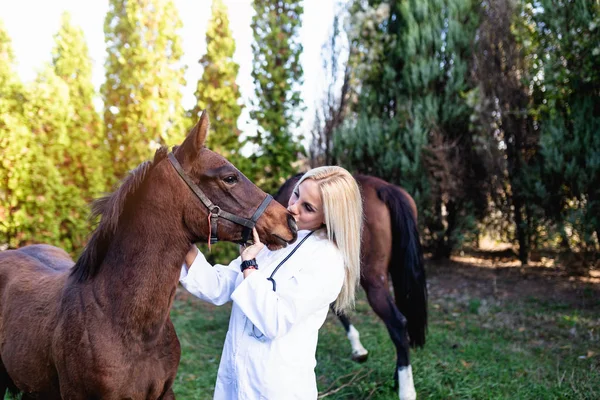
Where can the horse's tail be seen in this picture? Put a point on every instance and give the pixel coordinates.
(406, 265)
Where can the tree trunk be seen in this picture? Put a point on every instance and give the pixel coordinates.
(521, 229)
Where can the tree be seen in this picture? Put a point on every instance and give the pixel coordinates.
(277, 77)
(330, 113)
(568, 97)
(13, 134)
(218, 91)
(87, 156)
(410, 69)
(35, 203)
(502, 68)
(54, 207)
(144, 76)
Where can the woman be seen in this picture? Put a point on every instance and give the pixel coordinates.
(281, 298)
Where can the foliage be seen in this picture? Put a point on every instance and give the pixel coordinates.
(217, 91)
(569, 103)
(87, 153)
(12, 128)
(40, 202)
(144, 77)
(502, 103)
(41, 207)
(330, 113)
(410, 69)
(277, 75)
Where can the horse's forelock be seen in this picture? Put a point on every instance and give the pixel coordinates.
(110, 208)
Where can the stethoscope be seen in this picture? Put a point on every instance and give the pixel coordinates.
(272, 279)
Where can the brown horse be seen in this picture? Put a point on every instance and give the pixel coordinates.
(100, 329)
(390, 249)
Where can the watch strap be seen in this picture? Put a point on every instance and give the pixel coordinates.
(248, 264)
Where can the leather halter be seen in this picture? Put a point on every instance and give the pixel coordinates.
(215, 212)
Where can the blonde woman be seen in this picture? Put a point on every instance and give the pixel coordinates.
(281, 298)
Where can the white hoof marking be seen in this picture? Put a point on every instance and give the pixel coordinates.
(406, 386)
(358, 351)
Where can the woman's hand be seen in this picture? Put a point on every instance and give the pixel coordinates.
(250, 252)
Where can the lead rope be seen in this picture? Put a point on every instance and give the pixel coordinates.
(209, 231)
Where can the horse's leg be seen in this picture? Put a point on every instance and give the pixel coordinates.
(384, 306)
(359, 353)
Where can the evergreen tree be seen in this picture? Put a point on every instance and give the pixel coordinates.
(57, 208)
(330, 113)
(277, 77)
(410, 67)
(217, 91)
(39, 207)
(13, 142)
(569, 106)
(503, 104)
(144, 77)
(86, 162)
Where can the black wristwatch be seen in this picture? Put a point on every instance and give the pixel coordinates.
(249, 264)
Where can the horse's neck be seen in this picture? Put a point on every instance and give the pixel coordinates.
(140, 274)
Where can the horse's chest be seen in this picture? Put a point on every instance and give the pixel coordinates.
(105, 365)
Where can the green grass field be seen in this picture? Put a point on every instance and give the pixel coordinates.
(479, 347)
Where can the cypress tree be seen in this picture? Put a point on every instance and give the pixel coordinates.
(14, 140)
(57, 207)
(410, 68)
(87, 156)
(277, 77)
(144, 77)
(218, 91)
(35, 204)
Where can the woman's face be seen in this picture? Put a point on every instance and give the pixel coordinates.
(306, 206)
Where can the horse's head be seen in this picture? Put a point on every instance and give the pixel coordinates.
(229, 191)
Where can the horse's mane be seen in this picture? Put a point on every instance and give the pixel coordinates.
(110, 208)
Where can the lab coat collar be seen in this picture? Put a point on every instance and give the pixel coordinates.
(320, 233)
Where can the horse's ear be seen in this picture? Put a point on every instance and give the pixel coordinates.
(197, 137)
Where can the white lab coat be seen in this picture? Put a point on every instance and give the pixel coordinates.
(269, 350)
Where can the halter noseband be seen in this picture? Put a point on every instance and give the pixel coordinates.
(214, 212)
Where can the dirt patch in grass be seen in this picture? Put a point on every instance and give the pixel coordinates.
(499, 276)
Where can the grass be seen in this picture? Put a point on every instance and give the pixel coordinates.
(477, 348)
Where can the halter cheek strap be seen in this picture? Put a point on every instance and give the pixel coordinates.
(215, 212)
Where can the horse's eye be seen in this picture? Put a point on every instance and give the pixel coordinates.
(230, 180)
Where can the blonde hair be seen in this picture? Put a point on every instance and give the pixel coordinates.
(343, 214)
